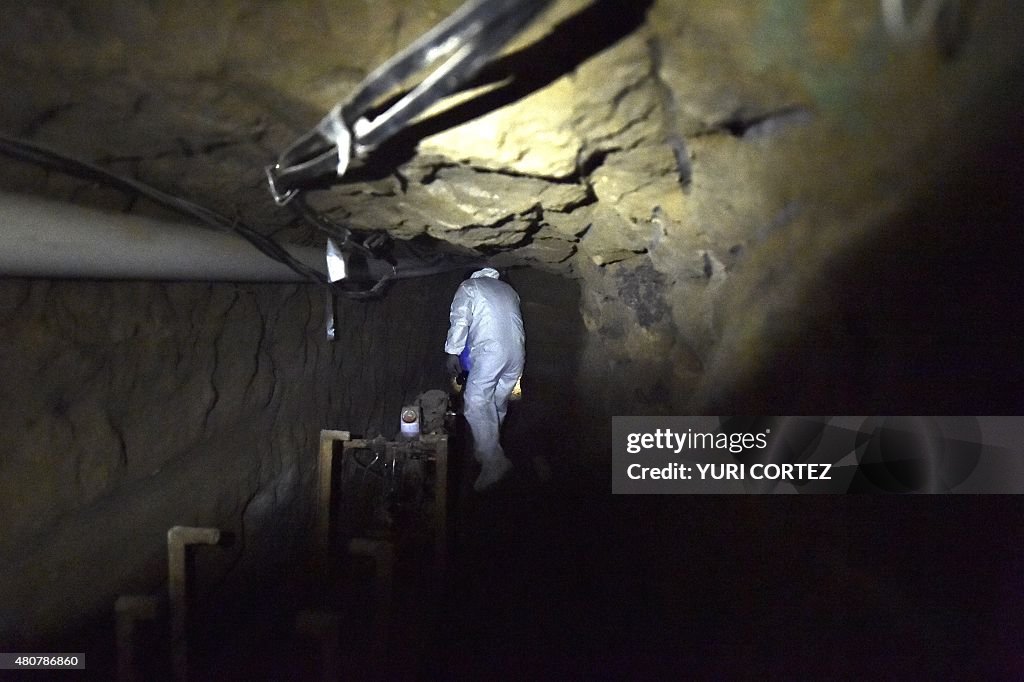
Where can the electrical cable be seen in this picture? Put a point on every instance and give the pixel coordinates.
(376, 245)
(463, 42)
(47, 158)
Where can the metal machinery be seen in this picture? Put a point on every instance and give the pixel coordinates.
(395, 491)
(381, 537)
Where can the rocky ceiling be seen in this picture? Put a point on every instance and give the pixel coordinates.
(681, 159)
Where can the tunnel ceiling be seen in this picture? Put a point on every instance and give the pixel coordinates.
(648, 148)
(606, 128)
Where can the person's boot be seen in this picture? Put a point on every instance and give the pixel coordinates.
(492, 471)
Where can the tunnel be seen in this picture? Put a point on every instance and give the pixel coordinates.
(774, 207)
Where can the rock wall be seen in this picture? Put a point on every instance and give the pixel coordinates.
(829, 179)
(128, 408)
(703, 169)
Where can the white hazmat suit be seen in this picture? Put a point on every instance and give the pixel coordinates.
(485, 315)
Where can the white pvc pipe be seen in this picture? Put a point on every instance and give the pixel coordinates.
(40, 238)
(178, 540)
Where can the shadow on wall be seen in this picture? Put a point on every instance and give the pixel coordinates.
(389, 351)
(538, 425)
(131, 407)
(578, 38)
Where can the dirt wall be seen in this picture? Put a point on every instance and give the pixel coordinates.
(128, 408)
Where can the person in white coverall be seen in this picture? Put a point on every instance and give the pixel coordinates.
(485, 315)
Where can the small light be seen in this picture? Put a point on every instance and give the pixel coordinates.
(411, 421)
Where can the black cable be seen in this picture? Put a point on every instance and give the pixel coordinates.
(47, 158)
(39, 155)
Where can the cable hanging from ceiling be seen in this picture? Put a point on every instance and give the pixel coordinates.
(380, 107)
(367, 283)
(365, 262)
(47, 158)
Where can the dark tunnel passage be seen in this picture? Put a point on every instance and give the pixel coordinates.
(552, 577)
(242, 619)
(773, 207)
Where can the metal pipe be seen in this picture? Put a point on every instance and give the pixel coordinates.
(440, 443)
(323, 499)
(178, 540)
(40, 238)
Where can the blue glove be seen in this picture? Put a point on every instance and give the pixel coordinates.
(453, 365)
